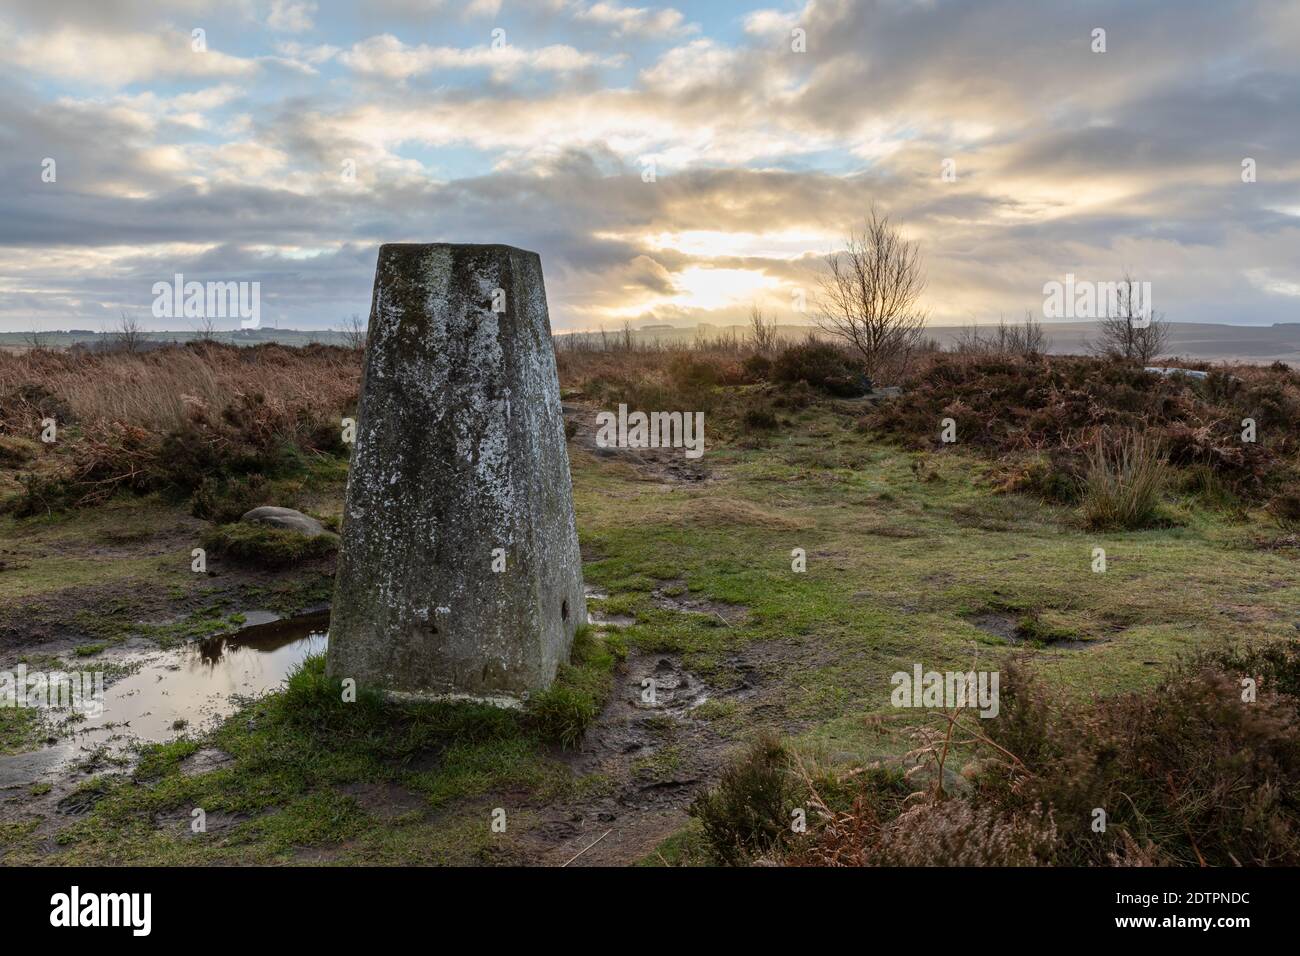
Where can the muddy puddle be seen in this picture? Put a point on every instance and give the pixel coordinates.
(170, 692)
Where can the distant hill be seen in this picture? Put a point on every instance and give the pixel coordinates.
(98, 340)
(1191, 340)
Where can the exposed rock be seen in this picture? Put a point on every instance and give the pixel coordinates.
(285, 518)
(459, 574)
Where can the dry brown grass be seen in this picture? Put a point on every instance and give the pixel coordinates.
(159, 390)
(204, 420)
(1186, 772)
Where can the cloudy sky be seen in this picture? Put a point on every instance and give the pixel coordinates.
(670, 164)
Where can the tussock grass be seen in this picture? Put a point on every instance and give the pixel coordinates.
(562, 713)
(1124, 483)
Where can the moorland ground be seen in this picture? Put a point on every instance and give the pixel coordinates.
(978, 554)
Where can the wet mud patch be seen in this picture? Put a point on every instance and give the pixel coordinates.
(896, 532)
(180, 821)
(674, 595)
(642, 763)
(204, 761)
(1026, 628)
(999, 624)
(649, 753)
(83, 799)
(58, 622)
(386, 801)
(150, 696)
(664, 465)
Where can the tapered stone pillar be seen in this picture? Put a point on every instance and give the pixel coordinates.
(459, 573)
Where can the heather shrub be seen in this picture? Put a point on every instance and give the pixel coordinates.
(15, 451)
(757, 368)
(1187, 772)
(1285, 507)
(759, 416)
(1007, 404)
(1055, 477)
(748, 813)
(822, 366)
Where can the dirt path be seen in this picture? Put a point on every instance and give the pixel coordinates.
(654, 752)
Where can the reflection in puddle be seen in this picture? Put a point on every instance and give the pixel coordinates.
(181, 690)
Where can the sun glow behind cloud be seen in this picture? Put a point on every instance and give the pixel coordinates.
(704, 288)
(788, 244)
(227, 163)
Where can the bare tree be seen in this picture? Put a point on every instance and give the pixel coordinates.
(1029, 338)
(354, 332)
(205, 330)
(128, 335)
(36, 340)
(1130, 330)
(870, 296)
(1026, 339)
(762, 332)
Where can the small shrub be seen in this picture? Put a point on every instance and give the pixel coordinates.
(1187, 773)
(30, 402)
(1273, 405)
(823, 367)
(1053, 477)
(41, 494)
(794, 397)
(227, 500)
(1122, 486)
(748, 813)
(263, 546)
(1285, 507)
(757, 368)
(691, 374)
(760, 418)
(16, 452)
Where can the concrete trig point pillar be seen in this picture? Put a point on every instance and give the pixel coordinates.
(460, 468)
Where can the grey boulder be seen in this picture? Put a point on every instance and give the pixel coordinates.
(285, 518)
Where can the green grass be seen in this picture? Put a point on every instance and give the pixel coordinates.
(900, 557)
(295, 753)
(21, 728)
